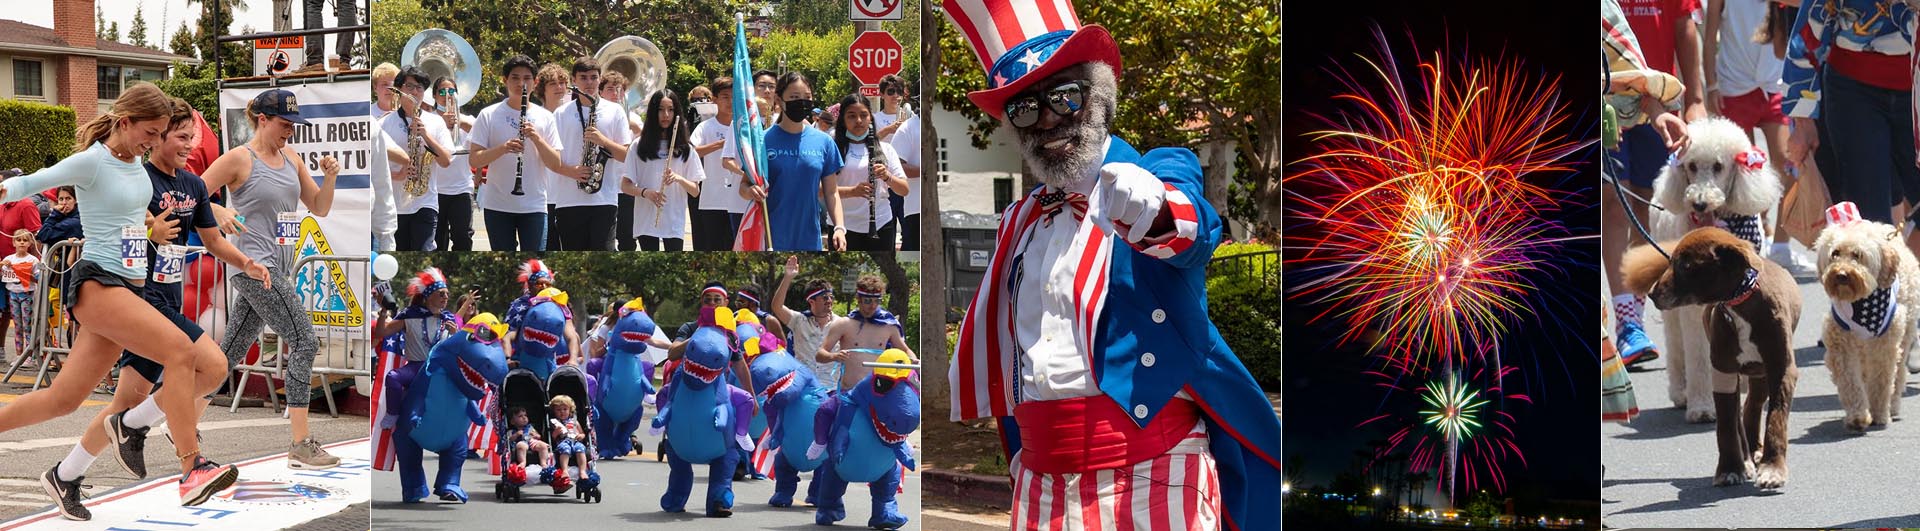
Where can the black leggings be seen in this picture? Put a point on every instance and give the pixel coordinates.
(416, 231)
(651, 243)
(585, 228)
(910, 233)
(623, 223)
(455, 231)
(879, 241)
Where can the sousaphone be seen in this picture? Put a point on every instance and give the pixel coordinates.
(441, 53)
(640, 61)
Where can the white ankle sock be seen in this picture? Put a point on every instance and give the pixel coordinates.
(75, 464)
(146, 414)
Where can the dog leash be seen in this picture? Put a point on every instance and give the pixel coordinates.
(1610, 168)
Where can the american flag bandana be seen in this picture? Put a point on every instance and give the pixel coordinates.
(1747, 228)
(1872, 315)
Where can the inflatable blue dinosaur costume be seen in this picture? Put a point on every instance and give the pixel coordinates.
(863, 433)
(624, 380)
(542, 337)
(700, 411)
(440, 405)
(792, 398)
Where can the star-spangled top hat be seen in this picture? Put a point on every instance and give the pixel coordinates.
(1020, 42)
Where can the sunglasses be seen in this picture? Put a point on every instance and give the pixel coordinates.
(868, 297)
(1064, 100)
(895, 92)
(445, 92)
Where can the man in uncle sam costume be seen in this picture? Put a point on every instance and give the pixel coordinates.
(1117, 399)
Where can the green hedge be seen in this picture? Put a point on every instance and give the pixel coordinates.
(1243, 298)
(34, 131)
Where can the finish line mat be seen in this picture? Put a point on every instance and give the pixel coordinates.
(268, 496)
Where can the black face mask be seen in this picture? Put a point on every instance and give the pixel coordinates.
(798, 110)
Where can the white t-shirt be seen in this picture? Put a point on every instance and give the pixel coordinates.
(721, 189)
(497, 124)
(456, 178)
(906, 143)
(1744, 65)
(12, 279)
(612, 123)
(854, 173)
(394, 127)
(806, 344)
(385, 223)
(646, 175)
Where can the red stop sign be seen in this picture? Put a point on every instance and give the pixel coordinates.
(873, 55)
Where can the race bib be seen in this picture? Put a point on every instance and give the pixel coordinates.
(133, 246)
(168, 266)
(286, 230)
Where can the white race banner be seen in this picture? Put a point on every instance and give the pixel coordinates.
(268, 496)
(339, 127)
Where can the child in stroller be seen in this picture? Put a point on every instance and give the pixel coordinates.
(521, 435)
(566, 433)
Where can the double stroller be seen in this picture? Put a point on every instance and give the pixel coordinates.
(523, 389)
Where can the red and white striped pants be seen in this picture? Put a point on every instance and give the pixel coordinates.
(1177, 491)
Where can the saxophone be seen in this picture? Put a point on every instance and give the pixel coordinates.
(593, 157)
(419, 183)
(520, 162)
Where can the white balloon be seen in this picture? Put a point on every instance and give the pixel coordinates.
(384, 266)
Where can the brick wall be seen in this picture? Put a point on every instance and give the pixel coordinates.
(76, 75)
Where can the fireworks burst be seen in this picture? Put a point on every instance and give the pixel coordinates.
(1461, 433)
(1423, 208)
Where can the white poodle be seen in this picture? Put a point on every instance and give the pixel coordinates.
(1720, 179)
(1874, 283)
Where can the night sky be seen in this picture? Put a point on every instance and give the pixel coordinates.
(1555, 347)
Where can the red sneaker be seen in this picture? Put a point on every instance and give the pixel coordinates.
(206, 478)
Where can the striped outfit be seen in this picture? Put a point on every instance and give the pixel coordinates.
(1176, 491)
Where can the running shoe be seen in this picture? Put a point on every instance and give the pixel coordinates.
(1795, 263)
(206, 478)
(66, 495)
(308, 455)
(129, 444)
(1635, 347)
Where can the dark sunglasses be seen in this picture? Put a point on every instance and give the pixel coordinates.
(445, 92)
(895, 92)
(1064, 100)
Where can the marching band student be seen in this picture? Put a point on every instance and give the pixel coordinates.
(386, 224)
(890, 117)
(870, 226)
(802, 166)
(383, 100)
(454, 182)
(766, 93)
(550, 91)
(662, 180)
(718, 219)
(613, 88)
(585, 220)
(113, 188)
(265, 180)
(418, 214)
(906, 143)
(516, 221)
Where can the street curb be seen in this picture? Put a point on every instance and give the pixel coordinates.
(996, 491)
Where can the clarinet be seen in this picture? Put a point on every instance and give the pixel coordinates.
(874, 166)
(520, 162)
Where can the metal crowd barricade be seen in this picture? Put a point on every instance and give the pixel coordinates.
(47, 282)
(344, 343)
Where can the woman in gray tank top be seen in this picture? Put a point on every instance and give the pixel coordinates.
(265, 180)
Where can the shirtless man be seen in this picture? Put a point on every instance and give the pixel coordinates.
(865, 333)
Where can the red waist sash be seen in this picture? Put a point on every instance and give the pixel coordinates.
(1080, 435)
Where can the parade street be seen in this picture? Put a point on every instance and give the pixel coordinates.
(256, 438)
(1658, 467)
(631, 489)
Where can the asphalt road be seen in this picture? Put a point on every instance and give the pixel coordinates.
(631, 488)
(1658, 466)
(28, 452)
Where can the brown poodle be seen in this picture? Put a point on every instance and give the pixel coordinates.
(1752, 308)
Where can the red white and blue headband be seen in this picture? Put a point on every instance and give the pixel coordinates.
(818, 292)
(714, 289)
(749, 297)
(426, 282)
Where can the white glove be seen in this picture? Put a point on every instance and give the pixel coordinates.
(1131, 198)
(656, 430)
(746, 443)
(388, 421)
(815, 450)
